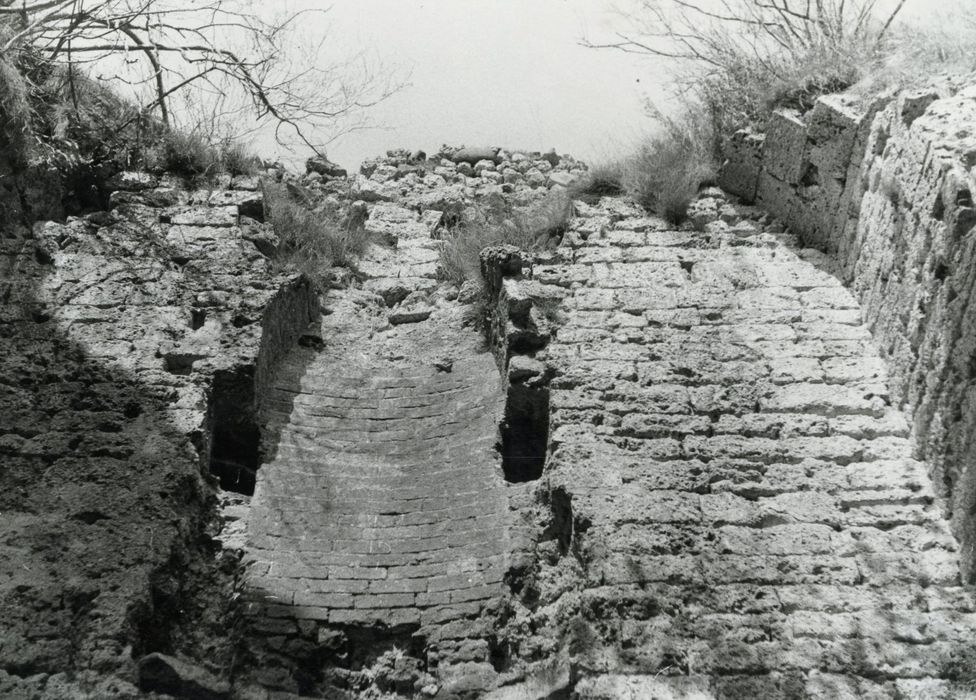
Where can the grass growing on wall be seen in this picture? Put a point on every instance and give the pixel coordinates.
(528, 228)
(665, 173)
(312, 241)
(735, 62)
(194, 156)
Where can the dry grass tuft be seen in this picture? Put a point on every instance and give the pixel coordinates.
(236, 159)
(667, 171)
(185, 153)
(529, 228)
(312, 241)
(601, 180)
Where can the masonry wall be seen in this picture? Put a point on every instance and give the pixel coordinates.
(886, 189)
(113, 327)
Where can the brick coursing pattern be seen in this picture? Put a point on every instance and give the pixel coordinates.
(380, 516)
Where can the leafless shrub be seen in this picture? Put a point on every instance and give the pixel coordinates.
(741, 58)
(216, 45)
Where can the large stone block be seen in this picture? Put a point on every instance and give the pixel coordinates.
(739, 175)
(777, 196)
(784, 150)
(832, 126)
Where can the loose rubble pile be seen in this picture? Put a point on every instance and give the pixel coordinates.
(447, 181)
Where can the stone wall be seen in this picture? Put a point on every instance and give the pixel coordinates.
(113, 327)
(886, 190)
(729, 508)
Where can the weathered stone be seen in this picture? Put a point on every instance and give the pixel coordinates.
(739, 174)
(729, 503)
(132, 181)
(562, 179)
(410, 314)
(483, 166)
(521, 368)
(202, 216)
(472, 155)
(323, 166)
(166, 674)
(371, 191)
(784, 148)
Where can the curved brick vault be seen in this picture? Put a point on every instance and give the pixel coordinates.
(380, 513)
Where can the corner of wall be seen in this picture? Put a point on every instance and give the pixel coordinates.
(886, 188)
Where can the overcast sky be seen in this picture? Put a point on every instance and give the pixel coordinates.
(509, 73)
(491, 72)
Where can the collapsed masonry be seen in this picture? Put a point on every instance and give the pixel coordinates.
(695, 476)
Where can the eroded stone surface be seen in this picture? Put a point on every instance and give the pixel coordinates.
(112, 331)
(731, 507)
(886, 191)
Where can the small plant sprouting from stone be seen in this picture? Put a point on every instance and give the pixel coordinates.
(550, 308)
(960, 667)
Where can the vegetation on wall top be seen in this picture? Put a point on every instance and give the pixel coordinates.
(734, 61)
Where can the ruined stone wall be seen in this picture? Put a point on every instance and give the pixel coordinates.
(729, 508)
(886, 190)
(113, 327)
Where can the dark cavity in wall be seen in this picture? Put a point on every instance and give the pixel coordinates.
(235, 447)
(525, 433)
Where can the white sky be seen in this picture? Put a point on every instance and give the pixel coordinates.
(491, 72)
(506, 73)
(501, 72)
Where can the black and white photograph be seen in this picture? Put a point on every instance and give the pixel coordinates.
(487, 350)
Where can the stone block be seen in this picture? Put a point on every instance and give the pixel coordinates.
(739, 174)
(249, 203)
(778, 197)
(317, 599)
(221, 216)
(473, 155)
(640, 687)
(132, 181)
(785, 146)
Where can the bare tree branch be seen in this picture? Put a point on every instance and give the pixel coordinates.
(186, 43)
